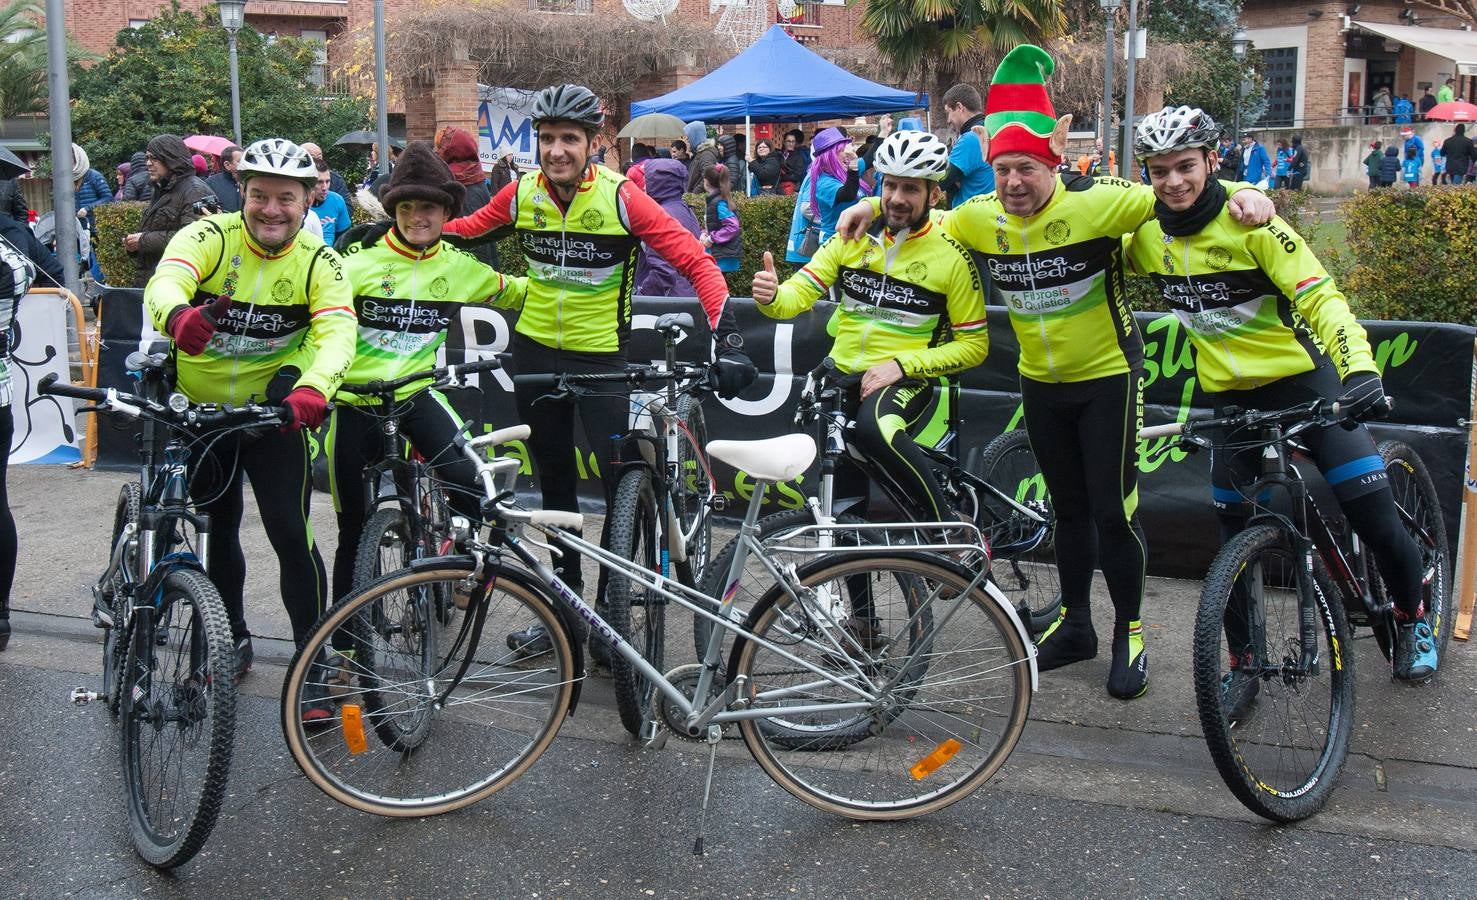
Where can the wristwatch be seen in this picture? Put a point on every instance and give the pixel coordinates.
(732, 340)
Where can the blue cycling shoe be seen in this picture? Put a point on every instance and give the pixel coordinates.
(1415, 651)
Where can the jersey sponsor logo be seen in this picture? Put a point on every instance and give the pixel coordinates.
(876, 289)
(1217, 258)
(403, 315)
(592, 219)
(1025, 270)
(590, 251)
(264, 322)
(1057, 232)
(1289, 244)
(1218, 320)
(916, 271)
(282, 290)
(439, 287)
(401, 342)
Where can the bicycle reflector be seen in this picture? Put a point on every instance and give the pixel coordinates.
(921, 769)
(354, 729)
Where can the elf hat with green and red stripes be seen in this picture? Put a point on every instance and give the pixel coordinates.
(1019, 116)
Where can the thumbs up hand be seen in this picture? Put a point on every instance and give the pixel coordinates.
(766, 281)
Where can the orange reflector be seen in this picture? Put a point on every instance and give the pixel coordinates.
(354, 730)
(921, 769)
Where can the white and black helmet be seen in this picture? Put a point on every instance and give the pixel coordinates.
(568, 103)
(280, 157)
(1174, 128)
(912, 154)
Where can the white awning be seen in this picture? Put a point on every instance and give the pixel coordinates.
(1448, 43)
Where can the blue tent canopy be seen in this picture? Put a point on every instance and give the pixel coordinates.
(777, 79)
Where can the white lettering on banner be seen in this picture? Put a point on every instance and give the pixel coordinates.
(45, 429)
(475, 352)
(503, 126)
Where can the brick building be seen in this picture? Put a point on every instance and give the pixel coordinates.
(1324, 60)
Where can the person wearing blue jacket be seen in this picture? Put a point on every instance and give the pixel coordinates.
(1256, 165)
(91, 189)
(1413, 142)
(831, 185)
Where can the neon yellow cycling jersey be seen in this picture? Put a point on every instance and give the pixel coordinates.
(923, 306)
(405, 300)
(292, 307)
(1257, 304)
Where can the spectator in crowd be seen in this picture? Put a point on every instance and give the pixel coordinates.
(124, 170)
(329, 206)
(1447, 92)
(1255, 165)
(640, 152)
(680, 152)
(1300, 165)
(704, 153)
(733, 161)
(140, 186)
(1438, 167)
(504, 172)
(722, 235)
(1282, 165)
(1372, 164)
(1379, 107)
(1410, 170)
(1230, 159)
(765, 168)
(794, 161)
(830, 185)
(223, 184)
(13, 202)
(1092, 163)
(1427, 101)
(458, 149)
(968, 173)
(1412, 141)
(1402, 110)
(1459, 154)
(202, 168)
(666, 179)
(336, 182)
(91, 190)
(1390, 166)
(176, 190)
(378, 184)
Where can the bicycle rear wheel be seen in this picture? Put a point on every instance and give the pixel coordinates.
(115, 638)
(945, 693)
(1420, 512)
(1024, 550)
(501, 715)
(638, 614)
(179, 718)
(1276, 720)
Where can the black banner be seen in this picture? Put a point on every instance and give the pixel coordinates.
(1427, 367)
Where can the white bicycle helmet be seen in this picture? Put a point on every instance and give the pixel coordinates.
(1174, 128)
(568, 103)
(280, 157)
(912, 154)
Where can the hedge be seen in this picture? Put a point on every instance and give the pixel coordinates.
(114, 220)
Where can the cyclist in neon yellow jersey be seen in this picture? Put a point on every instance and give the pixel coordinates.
(1052, 246)
(258, 308)
(911, 311)
(1270, 330)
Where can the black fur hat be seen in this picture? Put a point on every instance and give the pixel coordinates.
(422, 175)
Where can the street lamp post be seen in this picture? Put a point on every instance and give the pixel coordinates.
(233, 16)
(1240, 44)
(1110, 10)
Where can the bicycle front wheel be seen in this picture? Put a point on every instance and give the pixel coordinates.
(179, 712)
(638, 614)
(1276, 702)
(503, 709)
(1024, 549)
(944, 686)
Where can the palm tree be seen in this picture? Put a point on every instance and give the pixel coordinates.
(935, 34)
(22, 59)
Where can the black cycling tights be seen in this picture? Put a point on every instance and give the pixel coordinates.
(354, 442)
(885, 424)
(8, 545)
(1085, 436)
(281, 474)
(604, 413)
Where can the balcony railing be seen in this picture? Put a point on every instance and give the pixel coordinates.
(563, 7)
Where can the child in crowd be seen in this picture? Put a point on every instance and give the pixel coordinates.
(721, 232)
(1438, 166)
(1284, 164)
(1411, 169)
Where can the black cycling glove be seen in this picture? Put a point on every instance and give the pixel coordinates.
(735, 371)
(1363, 398)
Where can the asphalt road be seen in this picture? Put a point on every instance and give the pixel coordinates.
(1101, 798)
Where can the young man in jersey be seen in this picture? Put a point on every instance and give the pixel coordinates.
(911, 311)
(1271, 330)
(1052, 245)
(581, 227)
(259, 309)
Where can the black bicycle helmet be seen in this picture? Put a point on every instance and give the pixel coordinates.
(568, 103)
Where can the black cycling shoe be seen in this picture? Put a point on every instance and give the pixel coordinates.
(1238, 694)
(1415, 652)
(1128, 677)
(534, 640)
(4, 632)
(1064, 643)
(244, 656)
(599, 647)
(318, 708)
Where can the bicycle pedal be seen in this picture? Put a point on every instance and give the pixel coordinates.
(657, 738)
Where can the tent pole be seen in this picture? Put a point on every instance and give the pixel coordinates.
(748, 144)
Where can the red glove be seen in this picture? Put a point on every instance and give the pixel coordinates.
(308, 408)
(192, 326)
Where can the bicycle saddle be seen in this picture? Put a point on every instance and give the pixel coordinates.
(771, 459)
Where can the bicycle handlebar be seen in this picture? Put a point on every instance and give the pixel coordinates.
(197, 414)
(487, 472)
(633, 375)
(450, 374)
(1303, 414)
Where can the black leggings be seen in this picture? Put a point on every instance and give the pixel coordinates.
(604, 411)
(9, 546)
(280, 470)
(886, 423)
(1085, 436)
(1351, 465)
(355, 440)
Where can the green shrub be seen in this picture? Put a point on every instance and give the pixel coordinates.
(1412, 253)
(114, 221)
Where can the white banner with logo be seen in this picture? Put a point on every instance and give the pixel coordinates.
(503, 126)
(45, 429)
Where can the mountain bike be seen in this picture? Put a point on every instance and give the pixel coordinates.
(661, 514)
(168, 666)
(943, 695)
(1273, 667)
(1005, 498)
